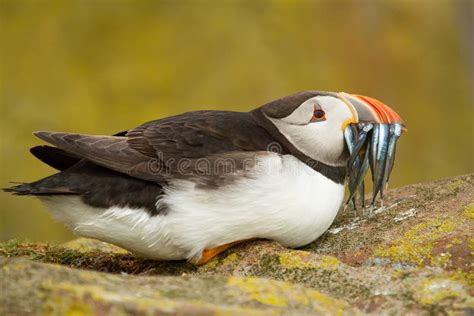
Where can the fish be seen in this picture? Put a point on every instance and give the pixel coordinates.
(371, 146)
(360, 175)
(350, 135)
(358, 163)
(380, 159)
(374, 143)
(395, 133)
(359, 143)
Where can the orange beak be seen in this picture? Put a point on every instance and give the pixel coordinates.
(370, 110)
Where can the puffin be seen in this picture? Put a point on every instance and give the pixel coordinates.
(188, 187)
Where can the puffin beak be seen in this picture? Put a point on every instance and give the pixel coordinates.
(370, 110)
(371, 138)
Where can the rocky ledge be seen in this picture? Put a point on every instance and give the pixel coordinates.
(412, 256)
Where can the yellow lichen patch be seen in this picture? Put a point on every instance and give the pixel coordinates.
(66, 306)
(435, 290)
(284, 294)
(230, 258)
(86, 276)
(328, 262)
(89, 245)
(210, 265)
(455, 241)
(237, 311)
(417, 244)
(454, 186)
(66, 298)
(75, 299)
(469, 211)
(77, 309)
(95, 292)
(441, 260)
(297, 259)
(263, 291)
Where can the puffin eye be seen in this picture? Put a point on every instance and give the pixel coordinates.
(318, 115)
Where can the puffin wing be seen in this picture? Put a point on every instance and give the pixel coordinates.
(165, 148)
(199, 134)
(112, 152)
(58, 158)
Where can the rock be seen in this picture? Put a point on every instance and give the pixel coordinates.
(414, 255)
(47, 288)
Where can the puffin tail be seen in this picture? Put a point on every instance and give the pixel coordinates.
(21, 189)
(47, 186)
(54, 157)
(52, 185)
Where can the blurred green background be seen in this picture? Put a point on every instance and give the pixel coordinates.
(102, 66)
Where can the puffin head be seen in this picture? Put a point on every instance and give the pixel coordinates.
(314, 121)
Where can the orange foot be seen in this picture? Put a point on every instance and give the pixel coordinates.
(208, 254)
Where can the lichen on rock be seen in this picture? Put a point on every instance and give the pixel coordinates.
(416, 245)
(298, 259)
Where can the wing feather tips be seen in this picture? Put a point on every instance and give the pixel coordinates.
(44, 135)
(112, 152)
(61, 139)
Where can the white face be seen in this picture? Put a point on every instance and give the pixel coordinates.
(316, 128)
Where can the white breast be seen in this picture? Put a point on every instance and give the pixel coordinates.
(281, 199)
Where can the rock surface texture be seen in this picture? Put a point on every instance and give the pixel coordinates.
(412, 256)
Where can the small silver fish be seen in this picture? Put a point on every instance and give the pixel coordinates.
(380, 158)
(373, 149)
(395, 133)
(350, 134)
(361, 172)
(361, 141)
